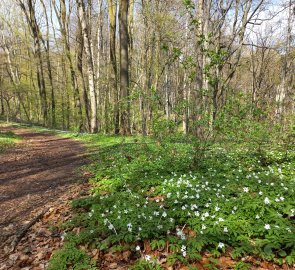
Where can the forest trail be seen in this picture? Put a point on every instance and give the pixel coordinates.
(35, 174)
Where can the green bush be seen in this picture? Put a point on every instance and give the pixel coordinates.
(71, 258)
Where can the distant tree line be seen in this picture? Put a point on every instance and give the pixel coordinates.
(135, 67)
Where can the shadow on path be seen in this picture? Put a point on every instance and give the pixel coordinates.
(36, 172)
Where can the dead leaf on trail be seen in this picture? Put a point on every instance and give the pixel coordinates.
(13, 257)
(113, 265)
(267, 266)
(35, 249)
(43, 232)
(111, 257)
(147, 246)
(226, 261)
(199, 266)
(95, 254)
(162, 258)
(126, 255)
(9, 227)
(204, 261)
(157, 199)
(191, 233)
(88, 174)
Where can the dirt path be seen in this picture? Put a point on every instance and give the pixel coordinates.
(37, 172)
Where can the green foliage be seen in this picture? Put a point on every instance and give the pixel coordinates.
(242, 266)
(163, 128)
(7, 139)
(148, 191)
(71, 258)
(188, 4)
(147, 264)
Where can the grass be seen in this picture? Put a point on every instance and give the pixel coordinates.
(8, 140)
(172, 196)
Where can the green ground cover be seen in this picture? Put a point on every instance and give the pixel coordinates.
(185, 199)
(7, 139)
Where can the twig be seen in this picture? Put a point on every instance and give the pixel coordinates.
(24, 230)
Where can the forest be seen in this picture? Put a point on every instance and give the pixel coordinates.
(147, 134)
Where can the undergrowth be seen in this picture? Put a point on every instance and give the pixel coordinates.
(232, 200)
(7, 140)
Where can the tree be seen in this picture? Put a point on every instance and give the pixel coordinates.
(112, 11)
(29, 11)
(124, 67)
(62, 17)
(90, 66)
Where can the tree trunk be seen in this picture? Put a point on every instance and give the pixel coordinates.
(112, 10)
(124, 67)
(90, 67)
(80, 44)
(62, 18)
(36, 34)
(47, 50)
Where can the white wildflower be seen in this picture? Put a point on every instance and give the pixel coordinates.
(147, 257)
(267, 226)
(220, 245)
(266, 200)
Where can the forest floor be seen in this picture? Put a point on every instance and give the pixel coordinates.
(148, 205)
(37, 175)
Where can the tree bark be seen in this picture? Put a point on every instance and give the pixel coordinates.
(124, 67)
(112, 10)
(46, 44)
(90, 67)
(79, 61)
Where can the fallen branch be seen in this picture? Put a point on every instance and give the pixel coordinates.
(24, 230)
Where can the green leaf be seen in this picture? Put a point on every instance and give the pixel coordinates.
(282, 253)
(268, 249)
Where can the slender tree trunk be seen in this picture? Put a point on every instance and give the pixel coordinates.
(90, 67)
(2, 104)
(99, 46)
(62, 17)
(124, 67)
(79, 61)
(112, 10)
(14, 79)
(36, 34)
(47, 50)
(285, 84)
